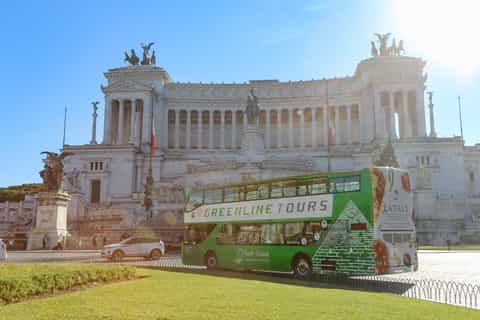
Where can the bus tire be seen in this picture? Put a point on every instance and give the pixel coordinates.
(302, 266)
(211, 261)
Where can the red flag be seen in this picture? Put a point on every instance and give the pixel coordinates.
(153, 139)
(331, 134)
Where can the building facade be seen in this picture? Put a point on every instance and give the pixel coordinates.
(202, 140)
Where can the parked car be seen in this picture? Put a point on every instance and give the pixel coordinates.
(134, 247)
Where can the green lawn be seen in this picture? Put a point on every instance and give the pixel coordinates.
(170, 295)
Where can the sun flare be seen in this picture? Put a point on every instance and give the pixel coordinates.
(446, 32)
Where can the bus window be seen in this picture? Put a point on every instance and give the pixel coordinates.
(227, 234)
(248, 234)
(232, 194)
(318, 186)
(194, 200)
(302, 188)
(251, 192)
(388, 237)
(196, 234)
(263, 191)
(290, 188)
(397, 238)
(272, 233)
(213, 196)
(276, 190)
(352, 183)
(294, 232)
(337, 184)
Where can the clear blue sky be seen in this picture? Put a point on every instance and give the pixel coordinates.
(53, 56)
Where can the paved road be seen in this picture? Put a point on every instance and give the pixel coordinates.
(458, 266)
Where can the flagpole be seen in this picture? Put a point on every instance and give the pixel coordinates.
(460, 113)
(148, 203)
(64, 127)
(329, 165)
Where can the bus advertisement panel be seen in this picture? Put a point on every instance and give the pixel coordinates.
(351, 223)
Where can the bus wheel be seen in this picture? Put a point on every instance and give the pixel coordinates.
(302, 268)
(211, 261)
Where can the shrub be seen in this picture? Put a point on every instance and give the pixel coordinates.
(16, 285)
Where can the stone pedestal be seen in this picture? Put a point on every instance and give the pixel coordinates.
(253, 145)
(51, 221)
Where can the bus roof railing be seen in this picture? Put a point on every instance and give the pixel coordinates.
(321, 174)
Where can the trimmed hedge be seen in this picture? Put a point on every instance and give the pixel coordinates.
(19, 282)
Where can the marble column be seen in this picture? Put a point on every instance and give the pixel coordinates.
(279, 128)
(138, 125)
(393, 130)
(147, 119)
(349, 124)
(267, 129)
(420, 112)
(379, 116)
(433, 132)
(177, 129)
(210, 129)
(107, 122)
(234, 129)
(406, 116)
(302, 128)
(337, 125)
(290, 128)
(165, 127)
(121, 121)
(222, 129)
(314, 127)
(189, 130)
(325, 125)
(131, 138)
(199, 129)
(94, 124)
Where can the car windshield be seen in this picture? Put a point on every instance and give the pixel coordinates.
(128, 240)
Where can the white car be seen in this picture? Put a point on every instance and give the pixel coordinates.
(134, 247)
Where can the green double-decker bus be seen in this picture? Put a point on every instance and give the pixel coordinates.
(349, 223)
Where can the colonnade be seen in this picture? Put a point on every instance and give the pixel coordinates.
(290, 128)
(127, 121)
(404, 105)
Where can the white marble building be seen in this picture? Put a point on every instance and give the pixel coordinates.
(201, 140)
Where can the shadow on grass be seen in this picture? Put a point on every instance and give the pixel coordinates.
(367, 283)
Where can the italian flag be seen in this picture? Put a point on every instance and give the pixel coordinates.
(153, 139)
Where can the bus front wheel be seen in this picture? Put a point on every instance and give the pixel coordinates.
(211, 261)
(302, 267)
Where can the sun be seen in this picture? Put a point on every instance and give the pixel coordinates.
(446, 32)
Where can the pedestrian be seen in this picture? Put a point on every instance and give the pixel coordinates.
(3, 251)
(94, 242)
(44, 242)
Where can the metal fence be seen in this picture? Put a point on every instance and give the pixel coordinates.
(449, 292)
